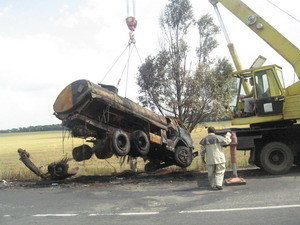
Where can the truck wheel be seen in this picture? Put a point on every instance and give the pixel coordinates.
(257, 161)
(183, 156)
(140, 144)
(276, 158)
(297, 160)
(82, 152)
(102, 149)
(58, 170)
(151, 167)
(120, 142)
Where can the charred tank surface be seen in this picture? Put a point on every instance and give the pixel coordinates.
(100, 105)
(119, 126)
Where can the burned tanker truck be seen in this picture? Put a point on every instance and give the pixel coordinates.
(116, 125)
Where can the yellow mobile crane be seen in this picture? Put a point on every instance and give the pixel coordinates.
(273, 135)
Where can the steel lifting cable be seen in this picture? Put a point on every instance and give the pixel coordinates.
(127, 72)
(133, 8)
(126, 65)
(131, 23)
(127, 7)
(114, 63)
(141, 61)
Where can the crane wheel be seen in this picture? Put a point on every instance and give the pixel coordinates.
(276, 158)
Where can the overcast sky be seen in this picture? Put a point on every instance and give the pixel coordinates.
(46, 45)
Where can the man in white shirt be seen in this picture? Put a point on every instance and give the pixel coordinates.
(212, 147)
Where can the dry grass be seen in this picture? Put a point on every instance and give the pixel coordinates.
(47, 147)
(201, 132)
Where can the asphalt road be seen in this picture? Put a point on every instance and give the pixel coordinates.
(162, 198)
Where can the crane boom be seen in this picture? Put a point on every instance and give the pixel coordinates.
(264, 30)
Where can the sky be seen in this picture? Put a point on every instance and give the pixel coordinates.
(46, 45)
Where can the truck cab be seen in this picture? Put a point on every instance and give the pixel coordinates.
(268, 94)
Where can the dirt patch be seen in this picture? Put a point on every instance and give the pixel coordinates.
(129, 177)
(125, 177)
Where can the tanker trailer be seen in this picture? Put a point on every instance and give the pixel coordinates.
(116, 125)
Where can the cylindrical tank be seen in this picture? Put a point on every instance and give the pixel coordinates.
(85, 97)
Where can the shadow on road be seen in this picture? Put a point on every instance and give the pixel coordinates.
(257, 172)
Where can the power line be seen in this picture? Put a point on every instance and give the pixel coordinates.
(283, 10)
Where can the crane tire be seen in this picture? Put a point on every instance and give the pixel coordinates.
(276, 158)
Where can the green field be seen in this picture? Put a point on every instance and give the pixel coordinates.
(47, 147)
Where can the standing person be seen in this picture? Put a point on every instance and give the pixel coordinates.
(212, 147)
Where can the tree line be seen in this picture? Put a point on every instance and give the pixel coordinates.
(34, 128)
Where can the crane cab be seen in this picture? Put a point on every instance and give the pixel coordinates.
(267, 90)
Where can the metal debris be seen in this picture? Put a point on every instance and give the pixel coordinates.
(56, 171)
(5, 183)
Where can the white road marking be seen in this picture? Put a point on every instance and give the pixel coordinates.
(102, 214)
(94, 214)
(138, 213)
(6, 215)
(155, 213)
(55, 215)
(241, 209)
(124, 214)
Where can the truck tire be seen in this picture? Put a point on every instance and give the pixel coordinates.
(183, 156)
(151, 167)
(276, 158)
(58, 170)
(102, 149)
(140, 144)
(257, 161)
(120, 143)
(297, 160)
(82, 152)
